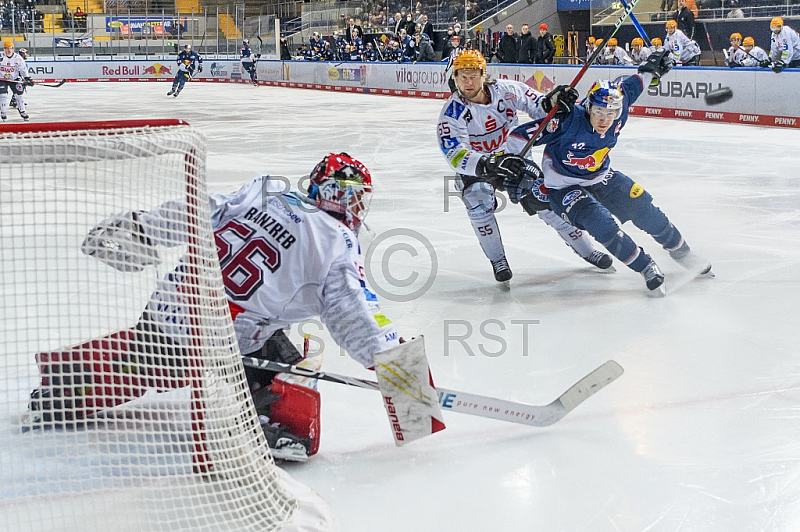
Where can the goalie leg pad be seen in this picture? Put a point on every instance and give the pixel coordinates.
(410, 399)
(297, 409)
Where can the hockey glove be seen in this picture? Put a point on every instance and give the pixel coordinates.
(122, 243)
(29, 82)
(778, 66)
(658, 63)
(199, 68)
(562, 96)
(518, 188)
(765, 63)
(733, 64)
(500, 167)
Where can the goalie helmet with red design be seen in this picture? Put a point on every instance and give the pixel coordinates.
(342, 187)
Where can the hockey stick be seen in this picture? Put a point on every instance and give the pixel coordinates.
(55, 86)
(708, 36)
(592, 58)
(477, 405)
(639, 28)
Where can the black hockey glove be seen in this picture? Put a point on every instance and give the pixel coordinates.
(562, 96)
(733, 64)
(498, 168)
(29, 82)
(765, 63)
(778, 66)
(658, 63)
(200, 68)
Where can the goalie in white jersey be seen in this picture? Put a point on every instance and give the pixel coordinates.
(13, 76)
(473, 127)
(285, 258)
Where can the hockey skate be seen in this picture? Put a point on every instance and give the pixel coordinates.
(3, 116)
(13, 103)
(691, 261)
(176, 93)
(502, 272)
(171, 92)
(601, 260)
(654, 278)
(24, 116)
(283, 445)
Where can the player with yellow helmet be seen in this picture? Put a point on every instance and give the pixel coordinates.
(639, 52)
(785, 46)
(473, 128)
(13, 77)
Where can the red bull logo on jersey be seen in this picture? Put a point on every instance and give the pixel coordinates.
(157, 70)
(591, 162)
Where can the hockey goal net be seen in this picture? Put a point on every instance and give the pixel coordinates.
(123, 403)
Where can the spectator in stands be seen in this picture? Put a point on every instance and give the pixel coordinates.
(508, 51)
(735, 13)
(692, 5)
(427, 27)
(685, 19)
(527, 46)
(458, 33)
(349, 31)
(547, 46)
(399, 24)
(80, 19)
(425, 49)
(411, 26)
(667, 5)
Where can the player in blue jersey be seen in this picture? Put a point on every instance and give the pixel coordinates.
(188, 61)
(249, 61)
(586, 192)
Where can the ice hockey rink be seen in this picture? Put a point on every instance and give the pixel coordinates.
(701, 433)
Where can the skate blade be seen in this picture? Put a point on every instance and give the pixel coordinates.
(610, 269)
(661, 291)
(505, 285)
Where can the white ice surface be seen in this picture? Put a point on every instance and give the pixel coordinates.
(701, 433)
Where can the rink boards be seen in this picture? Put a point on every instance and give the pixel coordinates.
(760, 96)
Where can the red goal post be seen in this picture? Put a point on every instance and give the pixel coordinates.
(123, 402)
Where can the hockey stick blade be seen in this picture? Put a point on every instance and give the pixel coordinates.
(477, 405)
(55, 86)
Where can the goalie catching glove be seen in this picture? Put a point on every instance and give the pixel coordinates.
(658, 63)
(121, 242)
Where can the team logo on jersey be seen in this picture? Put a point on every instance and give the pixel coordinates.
(552, 125)
(636, 190)
(571, 197)
(455, 109)
(491, 124)
(591, 162)
(448, 143)
(540, 192)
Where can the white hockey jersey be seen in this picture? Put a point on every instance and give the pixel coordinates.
(681, 47)
(785, 46)
(467, 130)
(735, 55)
(641, 56)
(12, 68)
(757, 54)
(617, 56)
(283, 261)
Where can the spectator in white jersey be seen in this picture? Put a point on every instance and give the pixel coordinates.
(473, 127)
(307, 264)
(785, 47)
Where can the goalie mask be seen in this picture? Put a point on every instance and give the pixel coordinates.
(342, 187)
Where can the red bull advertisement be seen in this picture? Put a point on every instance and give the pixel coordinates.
(157, 70)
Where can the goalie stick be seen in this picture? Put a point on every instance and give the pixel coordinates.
(54, 85)
(591, 59)
(478, 405)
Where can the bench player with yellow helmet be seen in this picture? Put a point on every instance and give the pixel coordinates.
(785, 47)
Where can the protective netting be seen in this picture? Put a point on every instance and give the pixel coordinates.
(123, 403)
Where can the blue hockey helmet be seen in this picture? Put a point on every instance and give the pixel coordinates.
(605, 94)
